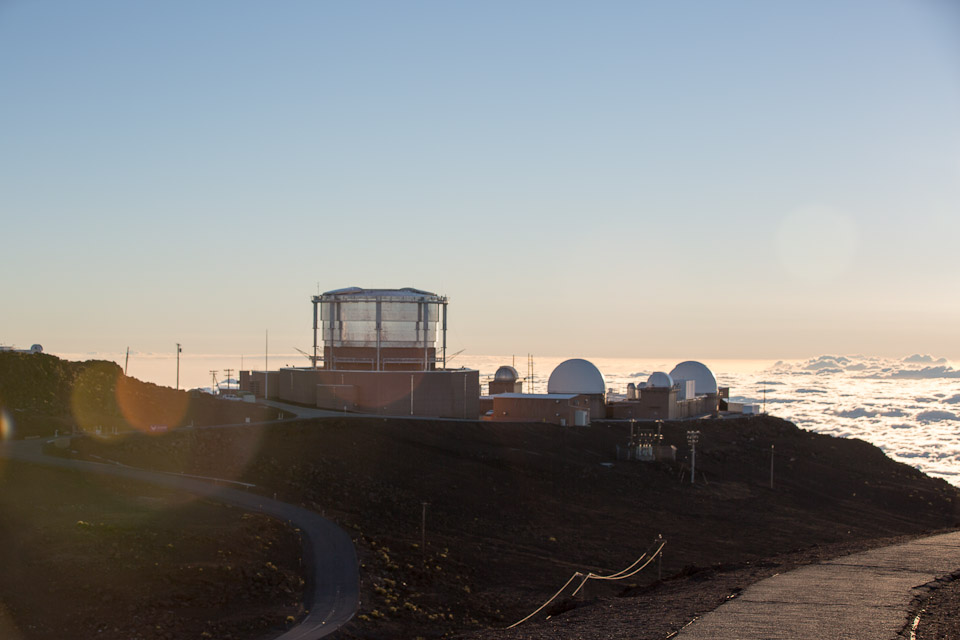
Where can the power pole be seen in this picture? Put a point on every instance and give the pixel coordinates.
(228, 372)
(692, 438)
(423, 529)
(178, 365)
(213, 384)
(771, 466)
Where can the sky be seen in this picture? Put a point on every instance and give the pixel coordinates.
(723, 179)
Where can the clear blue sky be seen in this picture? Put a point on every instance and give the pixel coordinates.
(703, 179)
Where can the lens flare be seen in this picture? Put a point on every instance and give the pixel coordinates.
(6, 426)
(149, 408)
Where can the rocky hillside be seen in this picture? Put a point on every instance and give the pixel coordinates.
(514, 509)
(41, 394)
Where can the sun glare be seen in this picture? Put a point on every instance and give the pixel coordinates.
(6, 426)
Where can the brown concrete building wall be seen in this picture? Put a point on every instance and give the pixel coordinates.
(542, 409)
(343, 396)
(499, 386)
(662, 404)
(486, 404)
(440, 394)
(255, 382)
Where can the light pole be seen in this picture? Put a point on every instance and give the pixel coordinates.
(692, 438)
(178, 365)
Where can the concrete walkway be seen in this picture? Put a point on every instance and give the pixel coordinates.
(857, 597)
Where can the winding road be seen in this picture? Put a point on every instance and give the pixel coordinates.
(333, 584)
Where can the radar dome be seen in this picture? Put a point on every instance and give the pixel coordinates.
(506, 373)
(706, 382)
(659, 380)
(36, 349)
(576, 376)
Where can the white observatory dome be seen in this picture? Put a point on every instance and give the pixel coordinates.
(659, 380)
(706, 382)
(576, 376)
(506, 373)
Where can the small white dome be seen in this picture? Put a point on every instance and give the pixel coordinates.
(36, 349)
(506, 373)
(706, 382)
(576, 376)
(660, 380)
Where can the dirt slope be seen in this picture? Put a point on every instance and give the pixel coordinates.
(90, 557)
(514, 509)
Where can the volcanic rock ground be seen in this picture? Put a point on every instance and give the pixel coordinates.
(514, 509)
(86, 556)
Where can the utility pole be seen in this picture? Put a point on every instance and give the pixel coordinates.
(178, 365)
(266, 365)
(126, 362)
(692, 438)
(771, 466)
(423, 529)
(213, 383)
(228, 372)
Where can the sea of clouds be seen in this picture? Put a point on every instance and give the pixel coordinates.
(910, 408)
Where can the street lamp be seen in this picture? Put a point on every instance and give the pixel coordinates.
(692, 438)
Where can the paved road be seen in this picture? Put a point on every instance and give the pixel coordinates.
(864, 596)
(333, 586)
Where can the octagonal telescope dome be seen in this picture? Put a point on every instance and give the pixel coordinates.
(659, 380)
(576, 376)
(506, 373)
(706, 382)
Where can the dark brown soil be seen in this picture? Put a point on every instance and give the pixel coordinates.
(514, 509)
(939, 612)
(84, 556)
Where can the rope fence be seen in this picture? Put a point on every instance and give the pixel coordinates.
(638, 565)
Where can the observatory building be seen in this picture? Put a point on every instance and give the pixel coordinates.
(575, 396)
(689, 390)
(505, 380)
(379, 355)
(380, 329)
